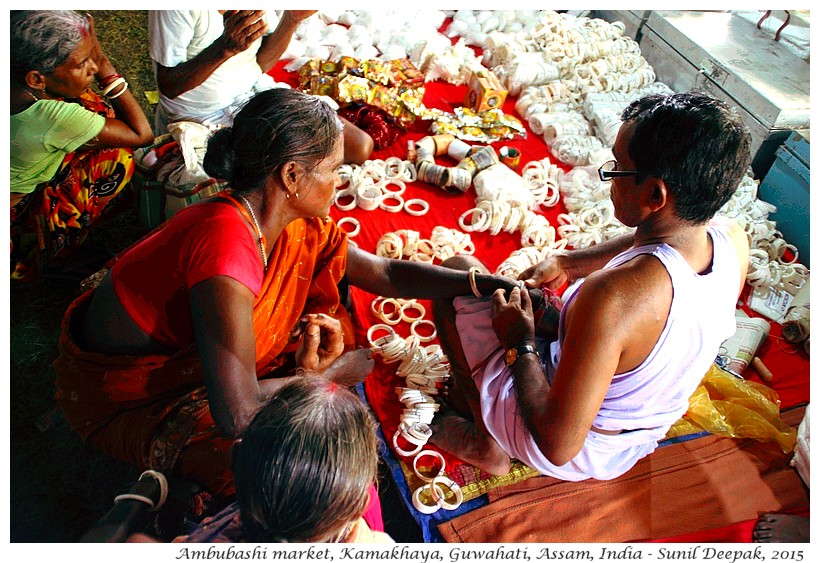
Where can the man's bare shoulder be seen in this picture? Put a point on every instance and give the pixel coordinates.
(628, 292)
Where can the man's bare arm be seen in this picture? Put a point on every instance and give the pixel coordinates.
(275, 44)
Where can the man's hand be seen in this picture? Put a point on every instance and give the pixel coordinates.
(549, 272)
(513, 320)
(322, 342)
(242, 28)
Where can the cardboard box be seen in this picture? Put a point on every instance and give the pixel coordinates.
(404, 73)
(485, 92)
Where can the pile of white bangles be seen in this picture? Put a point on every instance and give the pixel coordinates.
(497, 216)
(554, 126)
(500, 182)
(379, 184)
(407, 243)
(423, 368)
(392, 311)
(554, 64)
(494, 216)
(768, 265)
(523, 69)
(519, 260)
(580, 187)
(579, 150)
(592, 224)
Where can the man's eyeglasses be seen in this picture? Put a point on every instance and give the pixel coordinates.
(607, 171)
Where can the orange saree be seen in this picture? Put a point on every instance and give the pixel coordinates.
(152, 411)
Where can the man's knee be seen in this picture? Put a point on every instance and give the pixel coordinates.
(358, 144)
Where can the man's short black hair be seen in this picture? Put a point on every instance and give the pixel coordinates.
(696, 144)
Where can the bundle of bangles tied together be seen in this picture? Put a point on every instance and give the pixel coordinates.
(423, 369)
(407, 243)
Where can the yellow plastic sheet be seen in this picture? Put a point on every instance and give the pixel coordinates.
(729, 406)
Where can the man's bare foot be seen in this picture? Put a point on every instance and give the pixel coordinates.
(781, 528)
(461, 438)
(351, 367)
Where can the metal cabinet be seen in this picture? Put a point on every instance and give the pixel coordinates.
(728, 57)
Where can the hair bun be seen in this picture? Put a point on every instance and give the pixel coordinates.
(220, 156)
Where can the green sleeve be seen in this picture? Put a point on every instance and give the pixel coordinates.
(73, 126)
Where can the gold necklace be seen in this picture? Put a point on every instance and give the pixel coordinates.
(258, 231)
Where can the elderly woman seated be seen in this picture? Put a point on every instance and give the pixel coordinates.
(71, 149)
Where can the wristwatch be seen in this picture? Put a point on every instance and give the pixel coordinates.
(514, 353)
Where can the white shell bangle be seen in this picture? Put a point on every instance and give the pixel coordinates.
(424, 205)
(478, 216)
(392, 182)
(450, 484)
(416, 306)
(369, 198)
(426, 508)
(431, 453)
(372, 330)
(421, 431)
(347, 192)
(391, 318)
(423, 322)
(355, 222)
(402, 452)
(410, 174)
(391, 208)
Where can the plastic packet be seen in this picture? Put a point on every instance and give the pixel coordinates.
(728, 406)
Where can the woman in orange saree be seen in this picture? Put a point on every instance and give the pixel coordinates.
(165, 363)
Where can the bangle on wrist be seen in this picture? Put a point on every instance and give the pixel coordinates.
(114, 83)
(471, 274)
(104, 82)
(120, 93)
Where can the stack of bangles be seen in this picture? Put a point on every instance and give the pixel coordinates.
(443, 244)
(542, 178)
(520, 260)
(592, 224)
(110, 83)
(497, 216)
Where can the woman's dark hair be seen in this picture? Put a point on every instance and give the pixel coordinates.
(275, 127)
(305, 463)
(696, 144)
(42, 40)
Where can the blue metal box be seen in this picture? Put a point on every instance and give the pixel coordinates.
(786, 186)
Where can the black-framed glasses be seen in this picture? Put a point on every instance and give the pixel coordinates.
(608, 170)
